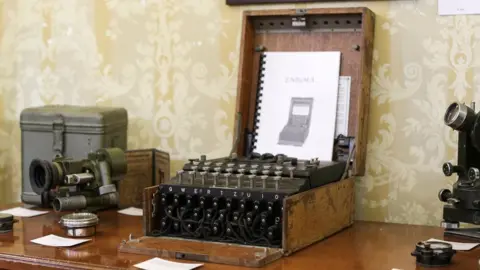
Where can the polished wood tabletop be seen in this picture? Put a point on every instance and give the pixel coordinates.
(364, 246)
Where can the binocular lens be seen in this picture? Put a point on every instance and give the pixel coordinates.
(39, 175)
(42, 175)
(459, 116)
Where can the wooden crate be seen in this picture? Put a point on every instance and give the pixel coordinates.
(312, 215)
(145, 168)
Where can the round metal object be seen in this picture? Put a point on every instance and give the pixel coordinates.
(6, 223)
(433, 253)
(473, 174)
(444, 194)
(79, 224)
(456, 115)
(447, 169)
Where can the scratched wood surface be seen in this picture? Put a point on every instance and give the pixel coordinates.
(316, 214)
(150, 223)
(365, 245)
(162, 166)
(145, 167)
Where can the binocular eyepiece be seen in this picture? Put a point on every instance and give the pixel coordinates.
(460, 117)
(44, 175)
(88, 181)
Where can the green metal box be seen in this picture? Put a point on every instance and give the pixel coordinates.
(67, 131)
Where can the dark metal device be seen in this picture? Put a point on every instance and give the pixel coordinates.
(6, 222)
(67, 184)
(236, 200)
(433, 253)
(56, 131)
(463, 201)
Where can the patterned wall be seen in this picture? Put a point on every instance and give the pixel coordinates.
(173, 65)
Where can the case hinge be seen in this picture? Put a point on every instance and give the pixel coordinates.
(301, 11)
(58, 129)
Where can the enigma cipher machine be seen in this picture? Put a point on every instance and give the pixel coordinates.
(463, 201)
(239, 200)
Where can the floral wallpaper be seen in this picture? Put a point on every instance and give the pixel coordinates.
(173, 65)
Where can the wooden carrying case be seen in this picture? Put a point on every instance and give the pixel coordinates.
(145, 168)
(311, 215)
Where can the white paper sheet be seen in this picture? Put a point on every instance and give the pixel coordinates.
(303, 75)
(343, 105)
(457, 245)
(458, 7)
(159, 264)
(131, 211)
(23, 212)
(52, 240)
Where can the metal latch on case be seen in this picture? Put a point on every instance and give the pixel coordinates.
(58, 129)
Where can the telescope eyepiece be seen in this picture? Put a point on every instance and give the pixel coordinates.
(459, 116)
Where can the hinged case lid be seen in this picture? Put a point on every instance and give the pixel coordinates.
(348, 30)
(71, 118)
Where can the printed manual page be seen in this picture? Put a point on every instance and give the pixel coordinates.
(298, 105)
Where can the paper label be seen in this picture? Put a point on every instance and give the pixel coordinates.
(456, 245)
(52, 240)
(131, 211)
(23, 212)
(159, 264)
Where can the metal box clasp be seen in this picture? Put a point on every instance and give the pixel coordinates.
(58, 129)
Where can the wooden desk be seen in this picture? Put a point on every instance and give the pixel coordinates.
(366, 245)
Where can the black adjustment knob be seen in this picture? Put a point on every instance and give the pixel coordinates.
(255, 155)
(473, 174)
(164, 222)
(449, 169)
(444, 195)
(267, 156)
(294, 161)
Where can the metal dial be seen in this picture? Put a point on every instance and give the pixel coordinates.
(444, 195)
(473, 174)
(447, 169)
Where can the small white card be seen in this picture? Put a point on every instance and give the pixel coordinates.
(343, 105)
(456, 245)
(23, 212)
(52, 240)
(159, 264)
(131, 211)
(458, 7)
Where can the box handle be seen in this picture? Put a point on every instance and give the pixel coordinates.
(58, 129)
(191, 257)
